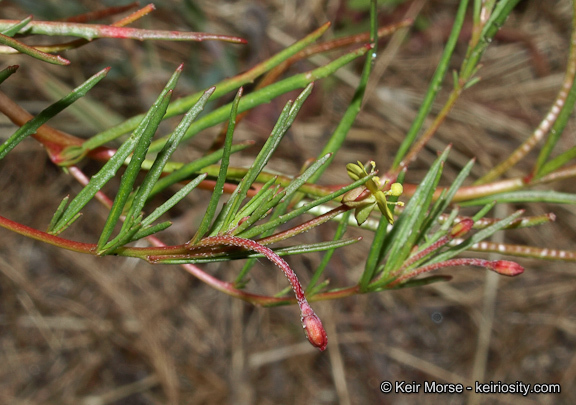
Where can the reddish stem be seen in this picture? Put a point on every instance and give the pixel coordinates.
(310, 322)
(503, 267)
(46, 237)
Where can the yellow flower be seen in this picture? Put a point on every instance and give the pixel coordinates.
(377, 197)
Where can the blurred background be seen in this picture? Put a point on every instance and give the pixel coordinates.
(76, 329)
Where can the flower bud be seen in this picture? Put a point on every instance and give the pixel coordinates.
(396, 190)
(462, 228)
(507, 268)
(356, 171)
(315, 331)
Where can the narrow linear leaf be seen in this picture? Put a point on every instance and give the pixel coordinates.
(257, 230)
(375, 254)
(269, 201)
(59, 212)
(263, 197)
(107, 171)
(7, 72)
(285, 120)
(421, 282)
(480, 214)
(230, 209)
(407, 229)
(280, 209)
(181, 105)
(304, 177)
(172, 201)
(219, 187)
(188, 170)
(33, 52)
(31, 126)
(129, 177)
(151, 230)
(151, 178)
(435, 84)
(557, 162)
(443, 202)
(13, 30)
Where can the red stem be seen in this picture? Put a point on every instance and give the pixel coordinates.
(504, 267)
(46, 237)
(310, 322)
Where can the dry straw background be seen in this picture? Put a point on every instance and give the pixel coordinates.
(93, 331)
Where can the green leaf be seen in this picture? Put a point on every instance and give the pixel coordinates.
(59, 212)
(284, 122)
(189, 170)
(374, 256)
(31, 51)
(259, 208)
(420, 282)
(32, 126)
(13, 30)
(107, 171)
(557, 162)
(172, 201)
(281, 209)
(298, 181)
(142, 142)
(145, 232)
(435, 84)
(219, 187)
(222, 88)
(7, 72)
(446, 198)
(282, 219)
(408, 227)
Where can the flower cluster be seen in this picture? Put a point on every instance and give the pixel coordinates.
(365, 204)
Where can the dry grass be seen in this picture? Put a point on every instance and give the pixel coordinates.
(84, 330)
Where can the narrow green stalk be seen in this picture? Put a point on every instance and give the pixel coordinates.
(223, 87)
(339, 135)
(434, 88)
(267, 94)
